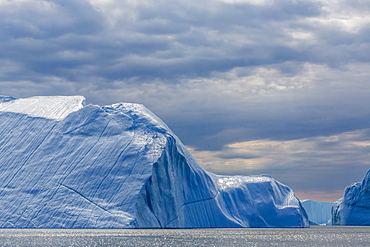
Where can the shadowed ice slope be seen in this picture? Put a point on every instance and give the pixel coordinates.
(354, 207)
(67, 165)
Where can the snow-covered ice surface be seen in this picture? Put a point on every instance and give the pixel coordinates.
(66, 165)
(319, 213)
(52, 107)
(354, 207)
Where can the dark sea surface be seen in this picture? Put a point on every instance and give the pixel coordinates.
(314, 236)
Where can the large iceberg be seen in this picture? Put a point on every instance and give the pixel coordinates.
(64, 164)
(354, 207)
(319, 213)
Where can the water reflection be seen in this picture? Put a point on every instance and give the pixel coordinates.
(314, 236)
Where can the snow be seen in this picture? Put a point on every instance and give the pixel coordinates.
(354, 207)
(67, 165)
(52, 107)
(319, 213)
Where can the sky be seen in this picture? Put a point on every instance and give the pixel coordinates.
(250, 86)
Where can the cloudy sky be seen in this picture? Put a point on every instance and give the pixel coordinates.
(278, 87)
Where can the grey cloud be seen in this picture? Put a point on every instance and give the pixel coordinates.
(48, 19)
(323, 178)
(139, 45)
(312, 115)
(325, 163)
(238, 156)
(35, 34)
(166, 39)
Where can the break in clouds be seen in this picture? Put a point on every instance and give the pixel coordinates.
(250, 86)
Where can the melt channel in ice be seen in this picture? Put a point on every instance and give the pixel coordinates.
(64, 164)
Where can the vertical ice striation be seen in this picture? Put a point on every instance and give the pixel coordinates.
(319, 213)
(354, 207)
(67, 165)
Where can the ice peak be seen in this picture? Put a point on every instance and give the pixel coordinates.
(52, 107)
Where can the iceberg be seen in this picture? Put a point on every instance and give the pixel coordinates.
(319, 213)
(65, 164)
(354, 207)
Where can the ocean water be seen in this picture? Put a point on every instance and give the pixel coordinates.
(314, 236)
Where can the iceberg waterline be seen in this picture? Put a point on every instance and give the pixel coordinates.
(71, 165)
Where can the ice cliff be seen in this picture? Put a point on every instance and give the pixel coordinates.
(319, 213)
(354, 207)
(64, 164)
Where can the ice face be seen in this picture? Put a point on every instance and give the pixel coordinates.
(354, 207)
(319, 213)
(66, 165)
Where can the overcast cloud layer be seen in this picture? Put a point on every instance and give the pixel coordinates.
(250, 86)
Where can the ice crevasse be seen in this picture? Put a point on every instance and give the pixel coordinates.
(64, 164)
